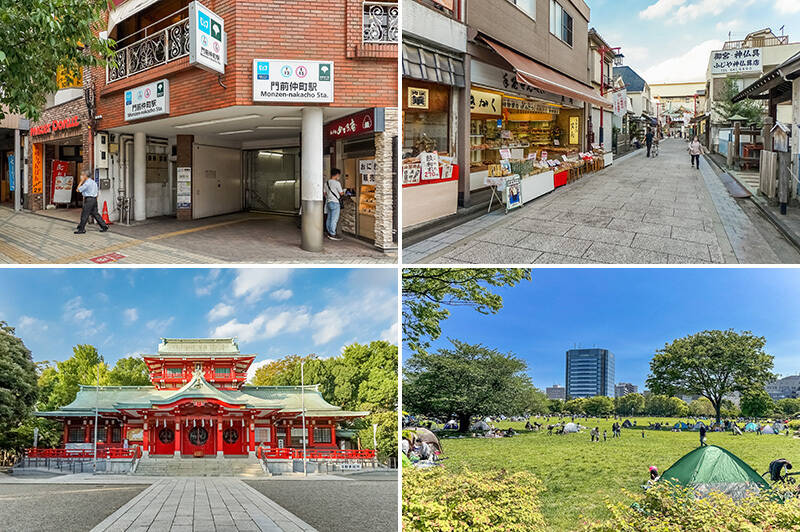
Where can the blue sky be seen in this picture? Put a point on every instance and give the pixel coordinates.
(125, 312)
(669, 40)
(633, 312)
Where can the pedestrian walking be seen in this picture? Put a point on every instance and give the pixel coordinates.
(88, 187)
(695, 150)
(703, 437)
(604, 435)
(648, 139)
(333, 197)
(642, 434)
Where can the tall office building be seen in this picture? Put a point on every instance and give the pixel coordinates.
(590, 372)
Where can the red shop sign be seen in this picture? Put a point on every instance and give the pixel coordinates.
(55, 125)
(361, 123)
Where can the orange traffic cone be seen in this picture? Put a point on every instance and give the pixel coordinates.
(105, 213)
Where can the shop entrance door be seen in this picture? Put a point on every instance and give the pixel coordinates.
(360, 176)
(273, 180)
(158, 199)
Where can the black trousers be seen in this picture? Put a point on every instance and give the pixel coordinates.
(696, 159)
(90, 211)
(649, 145)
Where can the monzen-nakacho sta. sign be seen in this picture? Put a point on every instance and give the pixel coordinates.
(206, 39)
(281, 80)
(55, 125)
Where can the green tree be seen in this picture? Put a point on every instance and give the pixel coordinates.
(729, 409)
(631, 404)
(598, 406)
(18, 391)
(131, 371)
(658, 405)
(726, 108)
(788, 407)
(465, 381)
(677, 407)
(63, 381)
(701, 407)
(555, 406)
(574, 406)
(756, 403)
(386, 433)
(39, 37)
(711, 364)
(532, 401)
(427, 291)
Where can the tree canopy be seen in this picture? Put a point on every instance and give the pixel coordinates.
(427, 291)
(466, 381)
(711, 364)
(39, 38)
(18, 391)
(631, 404)
(756, 403)
(726, 108)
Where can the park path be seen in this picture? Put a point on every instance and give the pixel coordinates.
(202, 504)
(638, 211)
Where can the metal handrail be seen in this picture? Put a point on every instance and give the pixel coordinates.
(756, 42)
(163, 44)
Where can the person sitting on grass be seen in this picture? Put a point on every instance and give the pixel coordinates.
(654, 476)
(776, 469)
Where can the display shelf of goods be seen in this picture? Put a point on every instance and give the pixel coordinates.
(366, 204)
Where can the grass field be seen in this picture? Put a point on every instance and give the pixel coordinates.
(580, 475)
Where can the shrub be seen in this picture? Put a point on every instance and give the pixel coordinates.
(794, 424)
(666, 507)
(436, 500)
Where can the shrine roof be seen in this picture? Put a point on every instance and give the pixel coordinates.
(203, 347)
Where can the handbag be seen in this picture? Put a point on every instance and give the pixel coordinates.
(341, 199)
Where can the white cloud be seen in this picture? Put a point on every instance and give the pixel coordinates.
(328, 324)
(251, 371)
(160, 326)
(30, 324)
(690, 66)
(730, 25)
(282, 295)
(75, 310)
(253, 282)
(268, 324)
(787, 6)
(661, 9)
(691, 12)
(205, 284)
(130, 315)
(220, 311)
(390, 334)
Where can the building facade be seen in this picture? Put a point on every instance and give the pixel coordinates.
(224, 107)
(601, 74)
(12, 142)
(590, 372)
(556, 391)
(624, 388)
(199, 405)
(784, 388)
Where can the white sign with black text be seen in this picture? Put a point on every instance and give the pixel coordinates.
(279, 80)
(147, 100)
(206, 38)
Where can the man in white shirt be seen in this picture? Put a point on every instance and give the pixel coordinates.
(88, 188)
(333, 192)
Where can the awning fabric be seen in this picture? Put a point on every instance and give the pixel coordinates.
(545, 78)
(128, 9)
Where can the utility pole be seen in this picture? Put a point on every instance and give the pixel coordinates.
(303, 407)
(96, 407)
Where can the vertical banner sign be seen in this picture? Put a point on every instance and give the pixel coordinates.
(37, 166)
(206, 41)
(574, 129)
(367, 170)
(12, 182)
(62, 183)
(184, 191)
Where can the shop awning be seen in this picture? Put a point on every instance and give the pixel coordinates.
(775, 84)
(532, 73)
(128, 9)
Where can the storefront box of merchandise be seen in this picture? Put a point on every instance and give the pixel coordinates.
(536, 185)
(560, 178)
(608, 158)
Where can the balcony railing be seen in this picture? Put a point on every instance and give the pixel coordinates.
(757, 42)
(380, 23)
(160, 48)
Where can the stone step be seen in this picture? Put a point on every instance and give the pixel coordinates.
(239, 467)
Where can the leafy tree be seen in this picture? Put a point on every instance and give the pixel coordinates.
(386, 433)
(662, 405)
(756, 403)
(631, 404)
(575, 406)
(532, 401)
(711, 364)
(555, 406)
(788, 407)
(701, 407)
(39, 37)
(18, 390)
(463, 382)
(726, 108)
(63, 381)
(427, 291)
(677, 407)
(598, 406)
(729, 409)
(131, 371)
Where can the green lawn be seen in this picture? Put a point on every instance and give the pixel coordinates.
(580, 475)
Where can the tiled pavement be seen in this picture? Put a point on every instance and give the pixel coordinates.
(637, 211)
(202, 504)
(27, 238)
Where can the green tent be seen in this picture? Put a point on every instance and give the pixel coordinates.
(712, 468)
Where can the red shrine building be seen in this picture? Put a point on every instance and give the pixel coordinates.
(199, 405)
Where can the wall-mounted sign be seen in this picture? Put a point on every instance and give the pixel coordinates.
(206, 39)
(148, 100)
(574, 129)
(361, 123)
(37, 167)
(55, 125)
(515, 104)
(366, 168)
(279, 80)
(12, 181)
(417, 98)
(184, 192)
(733, 61)
(486, 103)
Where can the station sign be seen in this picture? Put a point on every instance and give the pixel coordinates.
(206, 39)
(148, 100)
(280, 80)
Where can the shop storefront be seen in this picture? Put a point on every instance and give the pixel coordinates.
(433, 80)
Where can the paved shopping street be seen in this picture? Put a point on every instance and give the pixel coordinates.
(27, 238)
(638, 211)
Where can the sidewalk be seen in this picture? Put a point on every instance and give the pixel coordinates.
(202, 504)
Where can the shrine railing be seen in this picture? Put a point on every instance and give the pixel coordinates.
(157, 49)
(84, 454)
(316, 454)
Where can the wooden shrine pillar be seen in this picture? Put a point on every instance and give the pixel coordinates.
(87, 431)
(252, 434)
(177, 447)
(66, 432)
(219, 437)
(146, 438)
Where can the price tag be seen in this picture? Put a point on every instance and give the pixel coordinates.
(505, 153)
